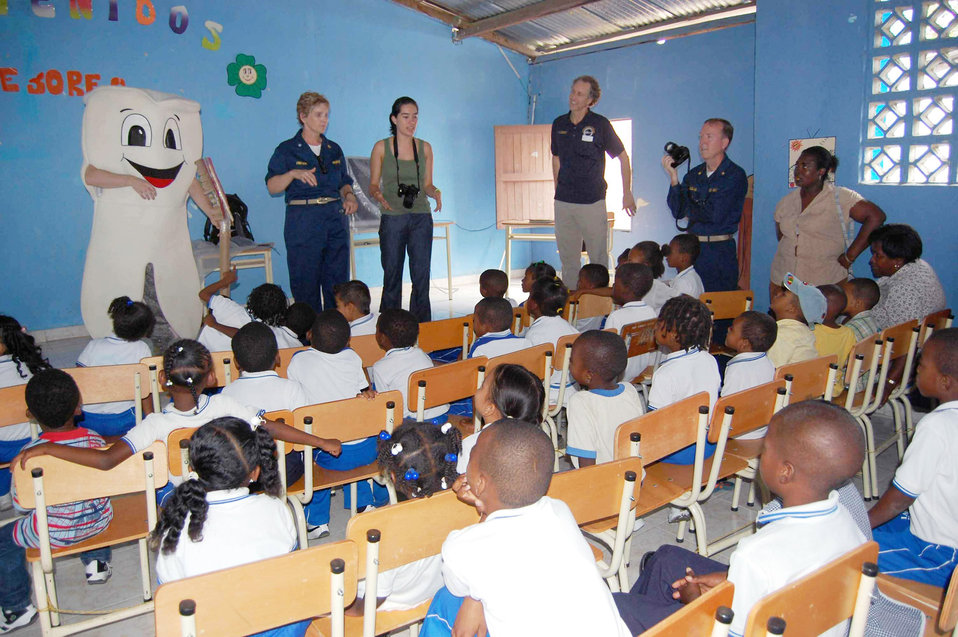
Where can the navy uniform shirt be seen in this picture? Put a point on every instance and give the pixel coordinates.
(580, 149)
(712, 204)
(295, 153)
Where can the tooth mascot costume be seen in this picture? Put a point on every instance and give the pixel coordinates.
(155, 137)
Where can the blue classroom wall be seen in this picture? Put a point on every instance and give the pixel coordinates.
(667, 90)
(810, 81)
(361, 54)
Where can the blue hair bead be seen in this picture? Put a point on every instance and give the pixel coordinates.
(451, 457)
(411, 475)
(384, 435)
(129, 302)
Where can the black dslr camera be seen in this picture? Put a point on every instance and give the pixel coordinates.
(678, 153)
(408, 192)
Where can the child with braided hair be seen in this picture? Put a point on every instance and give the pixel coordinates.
(420, 458)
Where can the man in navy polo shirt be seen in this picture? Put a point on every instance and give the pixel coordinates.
(711, 197)
(580, 140)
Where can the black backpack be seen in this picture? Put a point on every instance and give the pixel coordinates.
(241, 227)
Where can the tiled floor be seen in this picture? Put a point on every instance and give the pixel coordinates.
(123, 588)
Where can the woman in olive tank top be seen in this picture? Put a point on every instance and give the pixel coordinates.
(403, 166)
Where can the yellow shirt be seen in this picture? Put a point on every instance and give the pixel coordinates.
(835, 340)
(794, 343)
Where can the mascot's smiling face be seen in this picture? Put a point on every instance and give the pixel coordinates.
(154, 136)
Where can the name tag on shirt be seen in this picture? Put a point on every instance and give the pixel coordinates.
(588, 134)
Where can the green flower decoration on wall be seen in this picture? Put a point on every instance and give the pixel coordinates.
(247, 76)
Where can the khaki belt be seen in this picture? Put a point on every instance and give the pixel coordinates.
(714, 238)
(311, 202)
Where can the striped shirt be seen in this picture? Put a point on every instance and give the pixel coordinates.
(862, 324)
(72, 522)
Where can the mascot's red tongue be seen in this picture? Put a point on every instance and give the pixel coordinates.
(158, 182)
(157, 177)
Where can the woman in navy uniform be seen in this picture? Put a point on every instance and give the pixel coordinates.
(311, 170)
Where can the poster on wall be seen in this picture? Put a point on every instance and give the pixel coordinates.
(795, 148)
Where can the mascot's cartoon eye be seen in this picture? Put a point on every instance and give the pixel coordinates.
(171, 138)
(136, 131)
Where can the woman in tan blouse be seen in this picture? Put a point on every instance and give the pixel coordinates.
(811, 223)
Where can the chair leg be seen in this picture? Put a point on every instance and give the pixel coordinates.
(43, 602)
(145, 570)
(899, 419)
(680, 535)
(299, 519)
(736, 492)
(51, 593)
(698, 518)
(352, 499)
(750, 501)
(414, 630)
(909, 420)
(872, 456)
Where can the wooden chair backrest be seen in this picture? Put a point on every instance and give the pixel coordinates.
(351, 419)
(224, 365)
(589, 305)
(639, 337)
(727, 305)
(367, 348)
(809, 378)
(948, 617)
(447, 383)
(278, 591)
(664, 430)
(594, 493)
(520, 319)
(13, 405)
(537, 360)
(696, 618)
(935, 321)
(869, 347)
(285, 355)
(410, 530)
(444, 334)
(818, 601)
(65, 481)
(902, 334)
(754, 408)
(108, 383)
(563, 347)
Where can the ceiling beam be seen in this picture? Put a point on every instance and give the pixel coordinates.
(517, 16)
(457, 21)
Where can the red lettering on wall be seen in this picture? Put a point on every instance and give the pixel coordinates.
(6, 75)
(145, 12)
(35, 85)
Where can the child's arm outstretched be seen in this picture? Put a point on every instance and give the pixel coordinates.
(210, 321)
(890, 506)
(282, 431)
(103, 459)
(226, 280)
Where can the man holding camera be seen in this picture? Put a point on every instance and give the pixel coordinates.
(711, 197)
(580, 140)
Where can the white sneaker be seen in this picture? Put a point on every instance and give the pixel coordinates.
(677, 514)
(6, 501)
(10, 620)
(317, 532)
(639, 523)
(98, 572)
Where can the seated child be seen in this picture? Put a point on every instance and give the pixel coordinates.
(916, 521)
(495, 284)
(420, 459)
(598, 360)
(650, 253)
(258, 385)
(20, 358)
(593, 278)
(508, 392)
(329, 370)
(534, 272)
(299, 319)
(525, 568)
(132, 322)
(862, 294)
(396, 333)
(683, 329)
(751, 335)
(352, 301)
(830, 337)
(53, 399)
(811, 449)
(681, 254)
(632, 283)
(796, 306)
(492, 323)
(622, 258)
(266, 303)
(546, 300)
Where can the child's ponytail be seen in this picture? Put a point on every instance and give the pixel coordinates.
(132, 320)
(265, 451)
(189, 498)
(21, 347)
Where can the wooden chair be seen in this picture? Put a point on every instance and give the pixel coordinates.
(561, 372)
(520, 320)
(811, 379)
(725, 306)
(367, 348)
(588, 306)
(898, 398)
(445, 334)
(838, 591)
(640, 341)
(346, 420)
(13, 411)
(111, 383)
(394, 536)
(710, 614)
(261, 595)
(537, 360)
(223, 365)
(131, 487)
(939, 605)
(935, 321)
(447, 383)
(285, 355)
(600, 492)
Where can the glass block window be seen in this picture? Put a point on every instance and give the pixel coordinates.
(910, 93)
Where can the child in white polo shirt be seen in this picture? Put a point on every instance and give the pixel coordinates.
(491, 321)
(397, 332)
(916, 521)
(525, 568)
(132, 322)
(811, 449)
(495, 284)
(650, 254)
(353, 301)
(632, 282)
(547, 298)
(593, 279)
(299, 319)
(683, 251)
(751, 335)
(598, 359)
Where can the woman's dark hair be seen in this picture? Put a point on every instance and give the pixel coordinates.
(541, 269)
(823, 159)
(132, 320)
(517, 393)
(898, 241)
(397, 106)
(21, 347)
(651, 256)
(422, 456)
(185, 363)
(268, 304)
(690, 319)
(223, 453)
(550, 295)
